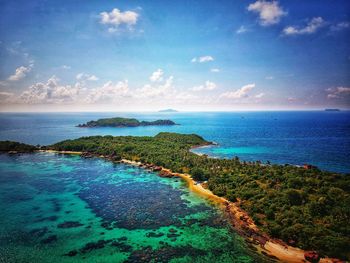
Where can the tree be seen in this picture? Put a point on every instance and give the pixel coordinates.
(294, 197)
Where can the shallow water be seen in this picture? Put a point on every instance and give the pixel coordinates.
(316, 137)
(63, 208)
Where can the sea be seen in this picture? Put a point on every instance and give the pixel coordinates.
(320, 138)
(64, 208)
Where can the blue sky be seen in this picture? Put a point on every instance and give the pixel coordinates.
(188, 55)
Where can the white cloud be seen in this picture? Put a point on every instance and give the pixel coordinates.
(109, 93)
(157, 76)
(202, 59)
(83, 77)
(20, 73)
(116, 18)
(312, 26)
(338, 92)
(340, 26)
(269, 11)
(49, 92)
(292, 99)
(162, 90)
(184, 96)
(241, 30)
(207, 86)
(240, 93)
(6, 96)
(66, 67)
(215, 70)
(269, 77)
(260, 95)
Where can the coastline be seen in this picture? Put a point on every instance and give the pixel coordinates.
(239, 219)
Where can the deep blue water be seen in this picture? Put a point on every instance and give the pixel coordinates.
(316, 137)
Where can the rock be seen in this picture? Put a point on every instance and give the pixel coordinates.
(49, 218)
(69, 224)
(39, 232)
(156, 168)
(71, 253)
(164, 173)
(94, 245)
(122, 247)
(152, 234)
(50, 239)
(312, 256)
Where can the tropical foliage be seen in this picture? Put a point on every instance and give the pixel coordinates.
(124, 122)
(10, 146)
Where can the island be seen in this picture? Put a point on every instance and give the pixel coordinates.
(168, 110)
(332, 109)
(16, 147)
(279, 208)
(124, 122)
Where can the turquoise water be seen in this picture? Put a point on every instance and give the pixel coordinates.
(237, 150)
(61, 208)
(316, 137)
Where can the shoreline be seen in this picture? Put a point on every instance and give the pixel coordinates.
(239, 219)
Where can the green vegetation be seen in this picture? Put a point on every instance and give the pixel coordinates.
(308, 208)
(124, 122)
(9, 146)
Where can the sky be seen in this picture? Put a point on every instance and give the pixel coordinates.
(96, 55)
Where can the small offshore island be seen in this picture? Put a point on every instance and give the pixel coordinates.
(168, 110)
(278, 208)
(124, 122)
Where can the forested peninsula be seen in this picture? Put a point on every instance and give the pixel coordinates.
(303, 206)
(124, 122)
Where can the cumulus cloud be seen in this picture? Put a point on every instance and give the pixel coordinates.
(109, 93)
(6, 96)
(49, 92)
(241, 30)
(115, 19)
(20, 73)
(202, 59)
(340, 26)
(240, 93)
(269, 11)
(84, 77)
(260, 95)
(207, 86)
(338, 92)
(157, 76)
(152, 91)
(312, 26)
(162, 88)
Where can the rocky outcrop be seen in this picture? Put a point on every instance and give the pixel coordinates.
(312, 256)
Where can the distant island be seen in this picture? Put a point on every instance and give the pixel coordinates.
(332, 109)
(16, 147)
(168, 110)
(124, 122)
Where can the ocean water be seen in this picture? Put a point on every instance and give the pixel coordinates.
(64, 208)
(316, 137)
